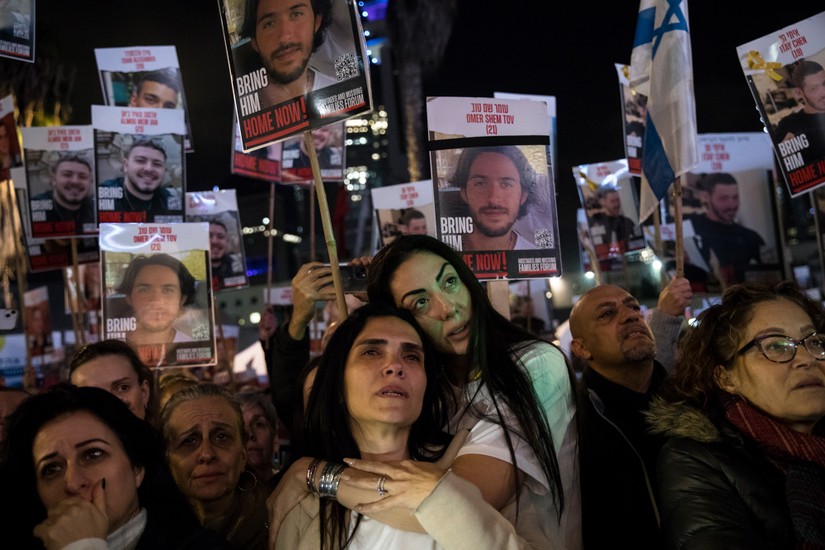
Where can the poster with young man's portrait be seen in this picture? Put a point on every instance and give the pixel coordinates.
(60, 175)
(493, 184)
(785, 71)
(143, 76)
(140, 164)
(610, 201)
(53, 253)
(226, 252)
(324, 79)
(729, 230)
(404, 209)
(157, 293)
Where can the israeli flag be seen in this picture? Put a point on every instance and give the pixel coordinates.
(661, 67)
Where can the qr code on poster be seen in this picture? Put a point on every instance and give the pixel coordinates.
(544, 238)
(21, 30)
(346, 66)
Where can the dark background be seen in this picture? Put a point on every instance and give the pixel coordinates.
(532, 47)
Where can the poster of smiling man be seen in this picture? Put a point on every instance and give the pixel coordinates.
(728, 211)
(785, 71)
(140, 164)
(60, 173)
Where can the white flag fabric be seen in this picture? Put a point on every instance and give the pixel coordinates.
(661, 67)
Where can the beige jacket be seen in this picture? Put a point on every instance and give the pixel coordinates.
(454, 514)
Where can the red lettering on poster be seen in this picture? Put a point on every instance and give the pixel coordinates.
(468, 259)
(109, 217)
(799, 178)
(290, 113)
(257, 125)
(133, 217)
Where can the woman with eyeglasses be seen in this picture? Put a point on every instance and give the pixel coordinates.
(744, 465)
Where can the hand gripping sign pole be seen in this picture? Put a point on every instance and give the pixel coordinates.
(326, 221)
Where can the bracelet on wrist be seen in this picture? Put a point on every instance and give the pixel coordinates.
(311, 476)
(330, 479)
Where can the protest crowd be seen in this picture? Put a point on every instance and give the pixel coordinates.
(417, 393)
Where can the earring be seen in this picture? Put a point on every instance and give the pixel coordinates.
(249, 485)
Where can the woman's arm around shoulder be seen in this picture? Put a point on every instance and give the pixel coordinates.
(456, 516)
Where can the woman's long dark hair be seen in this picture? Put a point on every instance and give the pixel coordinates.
(327, 430)
(21, 509)
(495, 342)
(296, 444)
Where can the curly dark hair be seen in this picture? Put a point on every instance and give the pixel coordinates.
(717, 336)
(321, 8)
(527, 177)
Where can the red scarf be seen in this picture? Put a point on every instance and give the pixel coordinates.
(800, 456)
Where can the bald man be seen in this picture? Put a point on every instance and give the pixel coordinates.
(617, 455)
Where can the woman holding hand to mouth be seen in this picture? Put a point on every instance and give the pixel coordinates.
(514, 399)
(81, 471)
(745, 463)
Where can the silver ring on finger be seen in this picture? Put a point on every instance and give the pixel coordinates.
(380, 487)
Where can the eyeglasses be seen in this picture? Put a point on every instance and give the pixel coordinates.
(782, 349)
